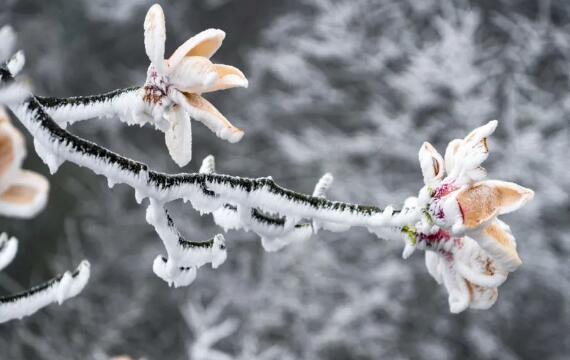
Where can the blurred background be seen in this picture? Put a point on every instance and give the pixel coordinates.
(347, 86)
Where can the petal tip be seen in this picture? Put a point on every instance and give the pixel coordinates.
(234, 135)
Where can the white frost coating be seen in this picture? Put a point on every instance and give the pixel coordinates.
(127, 105)
(57, 290)
(52, 161)
(297, 235)
(183, 257)
(227, 219)
(323, 185)
(208, 165)
(174, 276)
(8, 250)
(16, 63)
(13, 93)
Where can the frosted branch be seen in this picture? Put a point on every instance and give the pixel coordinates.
(55, 290)
(454, 217)
(127, 104)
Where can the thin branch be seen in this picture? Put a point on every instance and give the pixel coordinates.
(57, 290)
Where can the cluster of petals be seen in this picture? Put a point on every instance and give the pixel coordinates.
(23, 193)
(176, 85)
(468, 249)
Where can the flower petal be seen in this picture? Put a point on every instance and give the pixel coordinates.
(228, 77)
(491, 279)
(511, 196)
(200, 109)
(431, 163)
(155, 36)
(203, 44)
(194, 74)
(450, 153)
(459, 295)
(482, 297)
(476, 266)
(12, 151)
(497, 241)
(178, 137)
(472, 152)
(432, 264)
(485, 200)
(26, 196)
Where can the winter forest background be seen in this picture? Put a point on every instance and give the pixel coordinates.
(348, 86)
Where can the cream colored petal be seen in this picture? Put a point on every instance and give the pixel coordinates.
(470, 154)
(431, 163)
(488, 278)
(194, 74)
(459, 294)
(511, 196)
(498, 242)
(12, 152)
(203, 44)
(477, 136)
(26, 196)
(200, 109)
(432, 264)
(450, 153)
(228, 77)
(483, 201)
(178, 137)
(482, 297)
(476, 266)
(155, 36)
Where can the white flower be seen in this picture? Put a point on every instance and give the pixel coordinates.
(470, 250)
(176, 85)
(22, 193)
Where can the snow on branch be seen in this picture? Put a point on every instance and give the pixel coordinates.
(454, 217)
(57, 290)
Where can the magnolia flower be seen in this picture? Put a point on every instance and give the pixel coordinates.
(22, 193)
(470, 250)
(176, 84)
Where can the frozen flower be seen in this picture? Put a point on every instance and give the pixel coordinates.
(470, 275)
(23, 193)
(470, 250)
(178, 82)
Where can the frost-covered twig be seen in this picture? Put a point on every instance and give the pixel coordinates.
(57, 290)
(184, 257)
